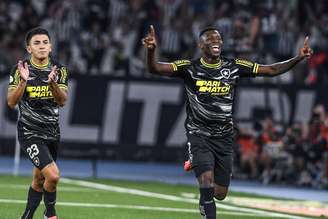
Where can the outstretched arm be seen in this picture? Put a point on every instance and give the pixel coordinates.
(282, 67)
(155, 67)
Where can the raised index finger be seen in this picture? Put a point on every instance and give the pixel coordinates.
(306, 41)
(152, 31)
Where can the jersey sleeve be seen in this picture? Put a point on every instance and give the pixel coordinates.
(63, 78)
(14, 78)
(179, 67)
(247, 68)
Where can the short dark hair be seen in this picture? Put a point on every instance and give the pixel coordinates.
(35, 31)
(205, 30)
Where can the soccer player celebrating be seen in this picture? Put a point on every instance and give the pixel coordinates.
(209, 83)
(39, 86)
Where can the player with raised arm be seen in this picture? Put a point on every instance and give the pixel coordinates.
(209, 83)
(39, 86)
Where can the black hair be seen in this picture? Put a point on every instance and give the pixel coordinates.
(207, 29)
(35, 31)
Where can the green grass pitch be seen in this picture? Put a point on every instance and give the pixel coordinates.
(111, 199)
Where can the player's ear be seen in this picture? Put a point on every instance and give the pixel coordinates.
(200, 44)
(28, 48)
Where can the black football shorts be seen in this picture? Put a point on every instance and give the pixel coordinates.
(212, 153)
(41, 152)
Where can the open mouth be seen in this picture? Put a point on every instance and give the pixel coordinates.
(215, 48)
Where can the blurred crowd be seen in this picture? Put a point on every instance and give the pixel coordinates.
(297, 155)
(104, 37)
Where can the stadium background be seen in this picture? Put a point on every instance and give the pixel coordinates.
(119, 112)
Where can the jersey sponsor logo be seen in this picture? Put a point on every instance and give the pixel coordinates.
(30, 78)
(56, 79)
(200, 73)
(225, 73)
(213, 87)
(39, 92)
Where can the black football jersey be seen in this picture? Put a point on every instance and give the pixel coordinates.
(210, 92)
(38, 112)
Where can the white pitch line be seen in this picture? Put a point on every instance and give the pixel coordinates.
(173, 198)
(132, 207)
(65, 189)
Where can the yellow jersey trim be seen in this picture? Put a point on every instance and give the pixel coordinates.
(208, 65)
(12, 87)
(63, 71)
(179, 63)
(16, 77)
(174, 66)
(39, 66)
(256, 68)
(244, 63)
(62, 86)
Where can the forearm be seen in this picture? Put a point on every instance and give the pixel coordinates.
(151, 61)
(280, 67)
(15, 94)
(60, 96)
(155, 67)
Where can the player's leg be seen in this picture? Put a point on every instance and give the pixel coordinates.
(222, 175)
(51, 175)
(38, 180)
(207, 205)
(35, 192)
(202, 162)
(223, 152)
(34, 196)
(220, 192)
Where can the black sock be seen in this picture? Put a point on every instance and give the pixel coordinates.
(207, 205)
(50, 201)
(33, 200)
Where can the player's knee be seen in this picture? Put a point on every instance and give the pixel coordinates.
(53, 178)
(220, 195)
(206, 179)
(220, 192)
(38, 183)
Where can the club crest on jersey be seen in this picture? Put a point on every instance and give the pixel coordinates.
(225, 73)
(36, 161)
